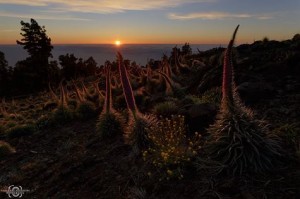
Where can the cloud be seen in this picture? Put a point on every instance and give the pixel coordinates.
(214, 15)
(24, 2)
(103, 6)
(264, 17)
(39, 16)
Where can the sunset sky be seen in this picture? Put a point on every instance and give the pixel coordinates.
(152, 21)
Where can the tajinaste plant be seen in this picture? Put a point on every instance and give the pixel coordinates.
(63, 95)
(137, 135)
(127, 89)
(110, 123)
(78, 93)
(177, 90)
(53, 95)
(239, 142)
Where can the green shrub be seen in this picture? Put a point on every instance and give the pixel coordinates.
(166, 109)
(212, 96)
(21, 130)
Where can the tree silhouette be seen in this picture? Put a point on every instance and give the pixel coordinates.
(74, 68)
(186, 49)
(69, 66)
(35, 41)
(35, 68)
(3, 74)
(91, 66)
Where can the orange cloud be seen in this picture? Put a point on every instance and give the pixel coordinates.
(214, 15)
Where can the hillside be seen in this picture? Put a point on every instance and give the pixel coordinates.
(57, 150)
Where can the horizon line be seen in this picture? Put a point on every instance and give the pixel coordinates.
(127, 44)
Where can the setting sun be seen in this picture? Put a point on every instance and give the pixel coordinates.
(118, 43)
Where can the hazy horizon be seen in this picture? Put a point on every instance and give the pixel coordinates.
(112, 44)
(140, 53)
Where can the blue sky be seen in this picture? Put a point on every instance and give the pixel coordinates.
(156, 21)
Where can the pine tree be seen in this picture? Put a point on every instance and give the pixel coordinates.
(36, 42)
(35, 68)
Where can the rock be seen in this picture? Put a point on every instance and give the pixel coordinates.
(200, 116)
(252, 92)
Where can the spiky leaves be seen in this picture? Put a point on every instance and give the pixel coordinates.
(239, 142)
(139, 135)
(109, 125)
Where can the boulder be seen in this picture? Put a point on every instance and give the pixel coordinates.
(252, 92)
(200, 116)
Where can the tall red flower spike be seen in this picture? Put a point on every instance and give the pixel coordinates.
(127, 89)
(228, 84)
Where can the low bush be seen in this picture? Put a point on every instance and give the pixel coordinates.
(166, 109)
(21, 130)
(171, 149)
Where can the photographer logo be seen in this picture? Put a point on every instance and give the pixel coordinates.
(15, 191)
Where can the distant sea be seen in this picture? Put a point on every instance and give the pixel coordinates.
(140, 53)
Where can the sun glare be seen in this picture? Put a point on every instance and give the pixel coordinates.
(118, 43)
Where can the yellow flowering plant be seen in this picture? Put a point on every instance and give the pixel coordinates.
(171, 149)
